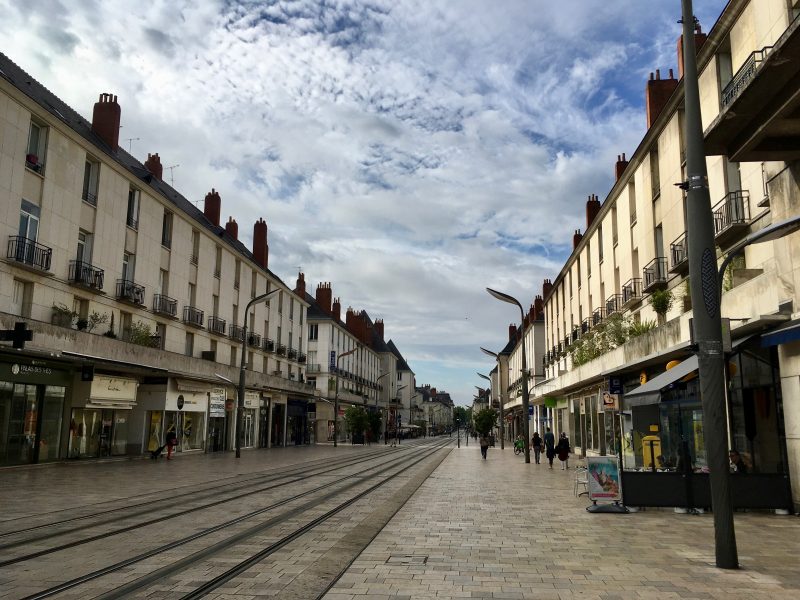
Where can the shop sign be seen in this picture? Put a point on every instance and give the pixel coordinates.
(34, 371)
(216, 403)
(113, 388)
(251, 399)
(610, 401)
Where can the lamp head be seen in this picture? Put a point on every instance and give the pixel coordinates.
(504, 297)
(489, 352)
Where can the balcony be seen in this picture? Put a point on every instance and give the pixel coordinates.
(614, 304)
(27, 252)
(235, 332)
(254, 340)
(598, 316)
(269, 345)
(654, 275)
(586, 325)
(216, 325)
(282, 349)
(576, 334)
(731, 217)
(292, 354)
(679, 255)
(128, 291)
(301, 358)
(164, 305)
(313, 368)
(632, 292)
(760, 116)
(82, 273)
(193, 316)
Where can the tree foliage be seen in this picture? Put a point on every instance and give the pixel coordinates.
(484, 420)
(356, 420)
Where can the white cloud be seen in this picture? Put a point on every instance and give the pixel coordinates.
(411, 152)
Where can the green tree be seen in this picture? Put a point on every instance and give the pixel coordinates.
(375, 424)
(356, 421)
(484, 420)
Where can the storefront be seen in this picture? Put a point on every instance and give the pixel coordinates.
(32, 396)
(99, 419)
(181, 406)
(249, 413)
(216, 421)
(298, 422)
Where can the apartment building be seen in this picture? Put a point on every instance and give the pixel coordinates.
(407, 399)
(618, 314)
(133, 300)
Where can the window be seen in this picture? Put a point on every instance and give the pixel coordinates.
(161, 332)
(163, 282)
(235, 319)
(280, 303)
(192, 294)
(37, 147)
(265, 364)
(655, 174)
(250, 360)
(237, 274)
(578, 264)
(188, 348)
(29, 221)
(291, 309)
(588, 259)
(632, 203)
(614, 227)
(233, 356)
(128, 265)
(313, 332)
(218, 262)
(80, 306)
(133, 208)
(91, 171)
(213, 347)
(195, 247)
(724, 64)
(733, 176)
(126, 320)
(278, 339)
(215, 305)
(253, 283)
(166, 230)
(84, 252)
(600, 241)
(21, 295)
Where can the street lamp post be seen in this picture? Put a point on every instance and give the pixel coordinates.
(397, 418)
(489, 379)
(336, 397)
(525, 400)
(242, 362)
(500, 398)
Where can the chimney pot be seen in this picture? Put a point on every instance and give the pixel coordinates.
(212, 207)
(105, 120)
(153, 165)
(324, 294)
(260, 246)
(657, 94)
(232, 228)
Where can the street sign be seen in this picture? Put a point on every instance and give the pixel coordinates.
(332, 362)
(615, 385)
(530, 410)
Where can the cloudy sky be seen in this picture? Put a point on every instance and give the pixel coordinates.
(411, 152)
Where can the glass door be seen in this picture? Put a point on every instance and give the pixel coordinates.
(18, 410)
(52, 414)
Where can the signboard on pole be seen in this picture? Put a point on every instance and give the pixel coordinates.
(332, 363)
(216, 403)
(602, 478)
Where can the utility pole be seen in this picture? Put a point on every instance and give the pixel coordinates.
(706, 303)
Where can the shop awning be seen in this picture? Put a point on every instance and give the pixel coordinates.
(650, 392)
(782, 335)
(189, 385)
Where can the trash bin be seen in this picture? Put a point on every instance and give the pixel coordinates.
(651, 452)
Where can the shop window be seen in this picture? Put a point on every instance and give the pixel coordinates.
(37, 147)
(91, 172)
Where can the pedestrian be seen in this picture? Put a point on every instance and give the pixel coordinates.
(550, 446)
(563, 450)
(172, 441)
(484, 445)
(737, 463)
(536, 444)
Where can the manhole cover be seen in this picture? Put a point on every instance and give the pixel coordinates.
(407, 559)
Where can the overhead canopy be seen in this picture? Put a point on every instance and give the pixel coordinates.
(650, 392)
(781, 335)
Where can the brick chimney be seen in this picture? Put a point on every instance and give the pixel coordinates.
(620, 167)
(576, 238)
(657, 93)
(379, 328)
(337, 309)
(105, 120)
(350, 320)
(324, 294)
(592, 210)
(153, 165)
(512, 332)
(547, 287)
(699, 40)
(212, 207)
(260, 247)
(538, 307)
(232, 228)
(300, 286)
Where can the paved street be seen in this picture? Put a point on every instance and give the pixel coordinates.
(474, 529)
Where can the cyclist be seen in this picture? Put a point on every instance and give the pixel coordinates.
(519, 445)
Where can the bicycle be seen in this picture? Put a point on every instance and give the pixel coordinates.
(518, 448)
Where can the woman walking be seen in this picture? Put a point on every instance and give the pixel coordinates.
(484, 445)
(536, 444)
(550, 446)
(563, 450)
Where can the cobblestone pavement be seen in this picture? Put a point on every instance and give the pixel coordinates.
(503, 529)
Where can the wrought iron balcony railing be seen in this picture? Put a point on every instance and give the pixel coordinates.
(586, 325)
(29, 252)
(613, 304)
(292, 353)
(679, 254)
(236, 332)
(216, 325)
(281, 349)
(598, 316)
(301, 358)
(731, 214)
(269, 345)
(631, 292)
(254, 340)
(129, 291)
(744, 75)
(654, 275)
(85, 274)
(193, 316)
(165, 305)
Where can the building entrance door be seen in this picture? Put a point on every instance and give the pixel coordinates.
(30, 422)
(263, 429)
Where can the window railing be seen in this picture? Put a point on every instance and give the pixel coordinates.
(679, 252)
(281, 349)
(598, 316)
(217, 273)
(301, 358)
(132, 222)
(193, 316)
(744, 75)
(85, 274)
(216, 325)
(292, 353)
(654, 274)
(614, 304)
(254, 339)
(193, 259)
(28, 252)
(732, 210)
(586, 325)
(269, 345)
(129, 291)
(90, 198)
(165, 305)
(236, 332)
(631, 292)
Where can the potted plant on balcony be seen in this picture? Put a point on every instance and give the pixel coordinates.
(661, 301)
(63, 316)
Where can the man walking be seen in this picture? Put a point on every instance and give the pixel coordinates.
(550, 446)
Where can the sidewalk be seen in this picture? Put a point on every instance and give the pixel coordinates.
(503, 529)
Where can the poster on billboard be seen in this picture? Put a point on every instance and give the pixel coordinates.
(602, 478)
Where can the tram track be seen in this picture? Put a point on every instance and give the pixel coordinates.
(405, 460)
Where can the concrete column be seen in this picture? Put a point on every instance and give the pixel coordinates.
(269, 422)
(789, 363)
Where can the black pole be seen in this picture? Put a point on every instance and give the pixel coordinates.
(706, 303)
